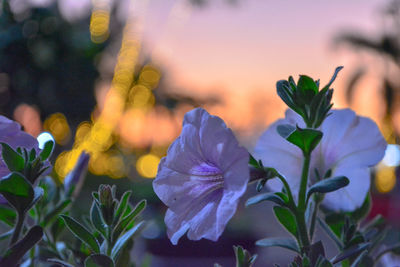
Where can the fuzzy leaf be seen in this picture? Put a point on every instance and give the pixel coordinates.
(81, 232)
(14, 160)
(328, 185)
(287, 243)
(265, 197)
(287, 219)
(305, 139)
(119, 245)
(18, 191)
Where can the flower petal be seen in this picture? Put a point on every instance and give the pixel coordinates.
(200, 220)
(351, 140)
(202, 178)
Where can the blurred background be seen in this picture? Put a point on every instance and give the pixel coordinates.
(115, 77)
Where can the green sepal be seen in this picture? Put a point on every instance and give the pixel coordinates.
(47, 150)
(99, 260)
(287, 243)
(14, 161)
(81, 233)
(305, 139)
(287, 219)
(18, 191)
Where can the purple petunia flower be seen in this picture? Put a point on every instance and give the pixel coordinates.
(202, 178)
(349, 146)
(11, 133)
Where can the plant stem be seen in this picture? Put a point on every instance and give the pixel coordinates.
(303, 239)
(301, 205)
(287, 188)
(304, 182)
(313, 219)
(302, 227)
(18, 228)
(109, 239)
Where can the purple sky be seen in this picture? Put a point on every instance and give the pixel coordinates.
(253, 44)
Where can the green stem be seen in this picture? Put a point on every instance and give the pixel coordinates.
(302, 237)
(301, 208)
(302, 227)
(109, 240)
(18, 228)
(303, 183)
(313, 219)
(287, 188)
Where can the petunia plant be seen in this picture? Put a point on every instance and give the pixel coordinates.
(315, 163)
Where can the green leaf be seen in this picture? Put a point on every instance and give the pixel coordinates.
(352, 251)
(285, 93)
(322, 262)
(287, 243)
(287, 219)
(306, 83)
(47, 150)
(243, 257)
(253, 162)
(265, 197)
(81, 232)
(363, 260)
(119, 245)
(38, 194)
(7, 215)
(19, 249)
(6, 235)
(122, 206)
(330, 233)
(127, 220)
(99, 260)
(54, 212)
(97, 220)
(14, 160)
(328, 185)
(18, 191)
(57, 227)
(305, 139)
(333, 77)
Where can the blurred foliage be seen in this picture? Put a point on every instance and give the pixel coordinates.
(49, 62)
(385, 45)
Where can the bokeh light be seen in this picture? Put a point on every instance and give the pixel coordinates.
(58, 126)
(385, 179)
(147, 165)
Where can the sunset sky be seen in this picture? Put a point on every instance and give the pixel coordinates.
(249, 46)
